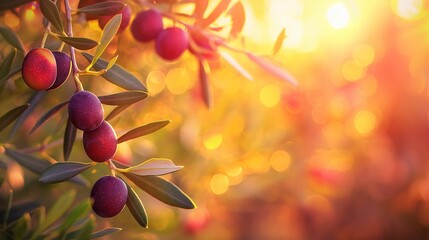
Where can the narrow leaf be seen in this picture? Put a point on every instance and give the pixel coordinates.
(12, 38)
(11, 116)
(153, 167)
(28, 161)
(143, 130)
(6, 5)
(279, 41)
(117, 75)
(105, 232)
(107, 35)
(220, 8)
(69, 138)
(136, 207)
(238, 17)
(79, 42)
(237, 66)
(111, 63)
(85, 232)
(8, 207)
(273, 69)
(22, 226)
(123, 98)
(34, 101)
(50, 11)
(204, 85)
(106, 8)
(78, 211)
(47, 115)
(62, 171)
(59, 208)
(116, 111)
(7, 64)
(11, 73)
(200, 9)
(162, 190)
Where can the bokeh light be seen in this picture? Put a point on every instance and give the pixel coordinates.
(338, 15)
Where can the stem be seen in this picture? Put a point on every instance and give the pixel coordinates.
(45, 35)
(75, 68)
(112, 167)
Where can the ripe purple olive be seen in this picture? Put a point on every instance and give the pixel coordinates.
(147, 25)
(109, 196)
(171, 43)
(126, 16)
(39, 69)
(63, 68)
(100, 144)
(85, 111)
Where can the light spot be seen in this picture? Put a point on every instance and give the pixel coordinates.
(351, 71)
(213, 141)
(269, 95)
(364, 122)
(155, 82)
(338, 15)
(407, 9)
(364, 54)
(280, 160)
(219, 184)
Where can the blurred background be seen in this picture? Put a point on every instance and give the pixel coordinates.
(342, 156)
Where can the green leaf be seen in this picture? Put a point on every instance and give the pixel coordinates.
(153, 167)
(11, 4)
(85, 232)
(220, 8)
(47, 115)
(143, 130)
(11, 116)
(106, 8)
(41, 212)
(117, 75)
(105, 232)
(59, 208)
(79, 42)
(238, 17)
(111, 63)
(7, 64)
(204, 85)
(69, 138)
(78, 211)
(116, 111)
(12, 72)
(273, 69)
(12, 38)
(50, 11)
(162, 190)
(136, 207)
(123, 98)
(8, 206)
(107, 35)
(62, 171)
(279, 41)
(22, 226)
(28, 161)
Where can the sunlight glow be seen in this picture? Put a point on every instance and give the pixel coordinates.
(407, 9)
(219, 184)
(338, 15)
(364, 122)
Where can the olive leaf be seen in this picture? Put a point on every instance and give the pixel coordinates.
(6, 65)
(200, 9)
(115, 112)
(136, 207)
(204, 85)
(279, 41)
(12, 38)
(273, 69)
(238, 17)
(106, 8)
(219, 9)
(62, 171)
(77, 211)
(117, 74)
(50, 11)
(143, 130)
(69, 138)
(107, 35)
(11, 116)
(123, 98)
(162, 190)
(153, 167)
(79, 42)
(47, 115)
(105, 232)
(111, 63)
(237, 66)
